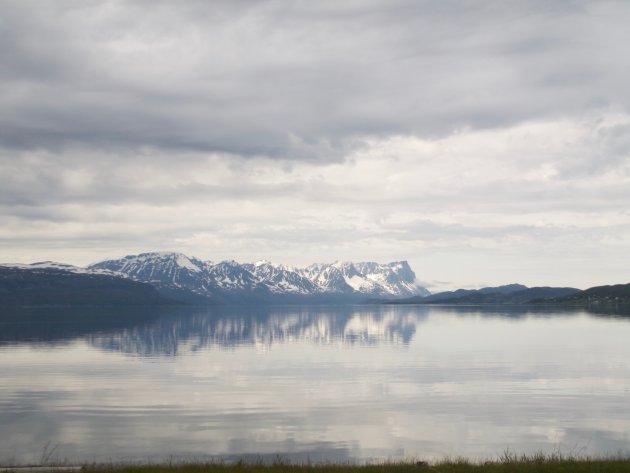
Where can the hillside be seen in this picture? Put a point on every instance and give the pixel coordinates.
(65, 286)
(508, 294)
(613, 296)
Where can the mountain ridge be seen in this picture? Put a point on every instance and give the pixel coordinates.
(169, 277)
(615, 296)
(507, 294)
(59, 285)
(263, 281)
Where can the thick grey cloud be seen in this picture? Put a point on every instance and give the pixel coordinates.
(483, 141)
(301, 80)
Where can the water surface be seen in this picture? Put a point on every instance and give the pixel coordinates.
(357, 383)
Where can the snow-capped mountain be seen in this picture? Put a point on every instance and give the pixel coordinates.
(167, 268)
(383, 280)
(180, 271)
(231, 276)
(176, 273)
(281, 279)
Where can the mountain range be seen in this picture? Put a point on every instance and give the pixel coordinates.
(181, 277)
(177, 277)
(174, 278)
(507, 294)
(615, 297)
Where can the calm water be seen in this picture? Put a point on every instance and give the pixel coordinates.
(320, 384)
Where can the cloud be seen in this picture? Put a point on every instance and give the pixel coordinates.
(510, 200)
(473, 140)
(298, 81)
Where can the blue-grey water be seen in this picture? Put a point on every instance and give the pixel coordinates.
(361, 383)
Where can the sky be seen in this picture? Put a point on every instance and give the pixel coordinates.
(485, 142)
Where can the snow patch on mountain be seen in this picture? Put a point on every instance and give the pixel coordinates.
(281, 280)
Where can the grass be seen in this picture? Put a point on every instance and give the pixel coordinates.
(508, 463)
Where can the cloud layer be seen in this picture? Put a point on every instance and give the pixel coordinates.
(483, 142)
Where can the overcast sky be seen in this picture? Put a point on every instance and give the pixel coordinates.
(484, 142)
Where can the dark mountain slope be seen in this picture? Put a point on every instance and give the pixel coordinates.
(510, 294)
(460, 293)
(22, 287)
(617, 295)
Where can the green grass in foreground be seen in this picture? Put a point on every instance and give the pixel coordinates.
(507, 464)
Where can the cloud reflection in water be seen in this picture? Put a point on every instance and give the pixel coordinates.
(319, 383)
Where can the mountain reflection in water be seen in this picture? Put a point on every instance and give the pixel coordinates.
(168, 331)
(350, 383)
(193, 331)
